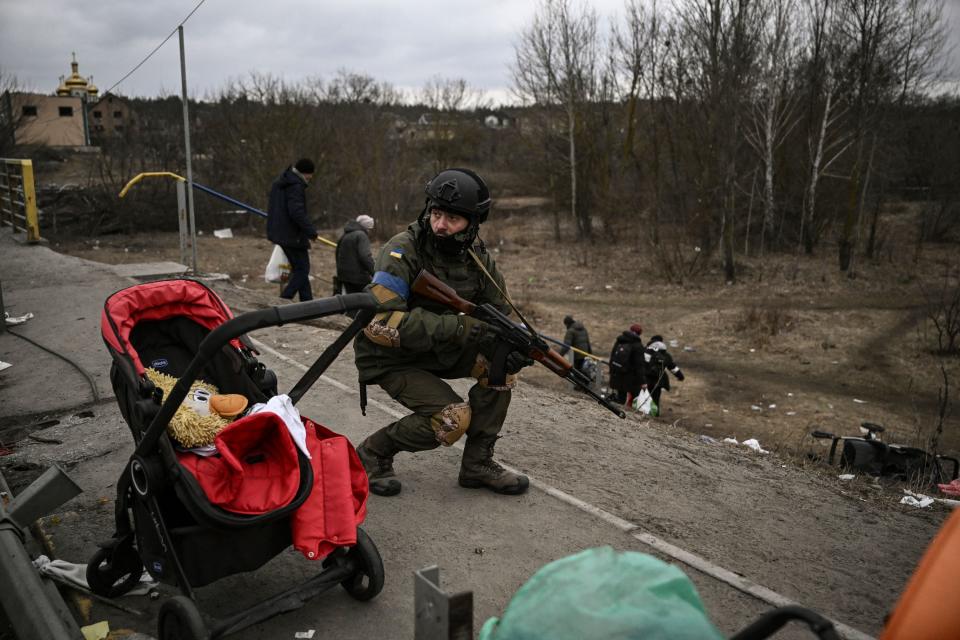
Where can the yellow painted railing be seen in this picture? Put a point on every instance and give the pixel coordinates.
(18, 198)
(167, 174)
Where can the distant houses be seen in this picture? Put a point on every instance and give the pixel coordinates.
(73, 116)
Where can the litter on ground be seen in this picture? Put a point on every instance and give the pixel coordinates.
(12, 321)
(754, 444)
(916, 499)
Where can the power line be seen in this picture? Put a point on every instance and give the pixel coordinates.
(157, 48)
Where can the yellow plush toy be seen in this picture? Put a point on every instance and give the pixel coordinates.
(202, 414)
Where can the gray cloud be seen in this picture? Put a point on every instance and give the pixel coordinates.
(403, 43)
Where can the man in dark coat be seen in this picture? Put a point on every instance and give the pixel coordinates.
(578, 338)
(289, 226)
(659, 361)
(628, 366)
(354, 260)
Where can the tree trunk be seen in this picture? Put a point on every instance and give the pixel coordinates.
(809, 239)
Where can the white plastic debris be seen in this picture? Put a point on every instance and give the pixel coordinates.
(791, 413)
(859, 401)
(15, 320)
(754, 444)
(223, 233)
(789, 394)
(688, 348)
(304, 635)
(922, 503)
(773, 406)
(731, 441)
(846, 476)
(756, 408)
(707, 439)
(4, 365)
(674, 343)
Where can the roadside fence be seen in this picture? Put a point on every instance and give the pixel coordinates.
(18, 199)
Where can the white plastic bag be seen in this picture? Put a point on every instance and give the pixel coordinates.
(278, 268)
(643, 402)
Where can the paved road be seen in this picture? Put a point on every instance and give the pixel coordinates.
(485, 543)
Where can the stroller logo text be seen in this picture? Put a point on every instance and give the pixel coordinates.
(159, 363)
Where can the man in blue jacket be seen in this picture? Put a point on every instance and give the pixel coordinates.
(289, 226)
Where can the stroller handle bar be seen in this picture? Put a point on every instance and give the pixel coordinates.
(238, 326)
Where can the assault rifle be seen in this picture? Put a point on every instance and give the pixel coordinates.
(512, 336)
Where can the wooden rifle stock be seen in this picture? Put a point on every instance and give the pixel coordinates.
(431, 287)
(552, 360)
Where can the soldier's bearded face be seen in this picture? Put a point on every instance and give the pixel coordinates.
(445, 224)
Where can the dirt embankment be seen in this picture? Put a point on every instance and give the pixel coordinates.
(793, 346)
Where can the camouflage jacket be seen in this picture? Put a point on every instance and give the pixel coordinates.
(425, 331)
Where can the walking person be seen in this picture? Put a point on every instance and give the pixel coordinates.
(354, 260)
(289, 225)
(413, 345)
(627, 365)
(659, 362)
(578, 338)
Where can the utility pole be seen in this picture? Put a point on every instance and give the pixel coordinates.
(186, 143)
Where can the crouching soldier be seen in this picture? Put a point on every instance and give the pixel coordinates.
(414, 344)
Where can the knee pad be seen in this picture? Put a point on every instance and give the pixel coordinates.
(450, 423)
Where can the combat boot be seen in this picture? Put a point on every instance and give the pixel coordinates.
(379, 468)
(478, 469)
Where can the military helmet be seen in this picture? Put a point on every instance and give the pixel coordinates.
(459, 191)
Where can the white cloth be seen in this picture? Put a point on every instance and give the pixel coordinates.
(283, 407)
(76, 574)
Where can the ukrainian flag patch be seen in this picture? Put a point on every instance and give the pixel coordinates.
(396, 253)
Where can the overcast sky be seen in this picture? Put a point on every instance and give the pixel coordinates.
(401, 42)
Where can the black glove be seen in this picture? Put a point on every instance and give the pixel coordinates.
(516, 361)
(471, 330)
(679, 375)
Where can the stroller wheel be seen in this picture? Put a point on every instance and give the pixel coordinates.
(180, 619)
(113, 571)
(367, 582)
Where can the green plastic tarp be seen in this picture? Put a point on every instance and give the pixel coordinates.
(603, 594)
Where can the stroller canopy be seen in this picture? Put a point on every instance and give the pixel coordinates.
(159, 300)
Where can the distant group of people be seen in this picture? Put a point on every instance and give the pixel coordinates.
(635, 366)
(290, 227)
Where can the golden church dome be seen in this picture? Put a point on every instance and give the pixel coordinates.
(76, 85)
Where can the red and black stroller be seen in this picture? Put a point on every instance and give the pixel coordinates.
(190, 520)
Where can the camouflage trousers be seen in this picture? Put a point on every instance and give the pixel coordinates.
(426, 393)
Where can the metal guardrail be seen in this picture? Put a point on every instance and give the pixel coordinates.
(32, 605)
(18, 198)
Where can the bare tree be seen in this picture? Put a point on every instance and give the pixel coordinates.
(350, 87)
(556, 64)
(774, 111)
(826, 139)
(891, 45)
(451, 94)
(9, 119)
(641, 51)
(725, 37)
